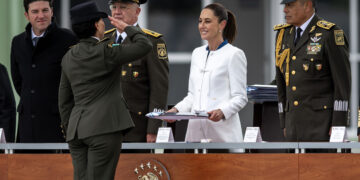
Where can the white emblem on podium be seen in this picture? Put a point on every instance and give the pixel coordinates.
(2, 136)
(252, 134)
(338, 134)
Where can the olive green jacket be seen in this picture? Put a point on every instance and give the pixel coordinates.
(145, 85)
(90, 96)
(313, 79)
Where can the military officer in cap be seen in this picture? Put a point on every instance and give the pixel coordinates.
(145, 81)
(312, 73)
(93, 113)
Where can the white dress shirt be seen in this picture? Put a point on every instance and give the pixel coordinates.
(33, 35)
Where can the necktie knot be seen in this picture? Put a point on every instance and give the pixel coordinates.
(298, 35)
(35, 40)
(119, 39)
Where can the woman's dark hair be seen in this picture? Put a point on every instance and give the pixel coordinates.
(85, 29)
(27, 2)
(224, 14)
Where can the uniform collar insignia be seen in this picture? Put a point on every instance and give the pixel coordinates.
(312, 29)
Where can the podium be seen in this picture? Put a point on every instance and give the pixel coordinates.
(266, 113)
(266, 116)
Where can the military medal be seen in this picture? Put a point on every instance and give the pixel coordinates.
(306, 67)
(318, 67)
(315, 39)
(313, 48)
(136, 74)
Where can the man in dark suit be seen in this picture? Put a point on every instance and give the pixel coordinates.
(145, 81)
(35, 68)
(312, 73)
(93, 111)
(7, 106)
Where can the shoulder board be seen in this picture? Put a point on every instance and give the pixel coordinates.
(324, 24)
(281, 26)
(110, 31)
(151, 33)
(106, 38)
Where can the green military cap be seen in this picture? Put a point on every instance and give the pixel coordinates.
(289, 1)
(85, 12)
(134, 1)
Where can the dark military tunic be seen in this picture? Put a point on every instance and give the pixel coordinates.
(145, 86)
(313, 80)
(90, 98)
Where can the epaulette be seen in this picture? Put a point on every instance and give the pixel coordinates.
(106, 38)
(151, 33)
(110, 31)
(281, 26)
(324, 24)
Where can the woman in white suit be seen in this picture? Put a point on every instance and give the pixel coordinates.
(217, 82)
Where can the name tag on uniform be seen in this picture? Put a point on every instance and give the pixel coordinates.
(252, 134)
(2, 136)
(338, 134)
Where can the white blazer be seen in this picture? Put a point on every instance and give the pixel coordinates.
(217, 81)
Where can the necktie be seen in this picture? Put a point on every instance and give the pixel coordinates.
(119, 40)
(35, 40)
(298, 35)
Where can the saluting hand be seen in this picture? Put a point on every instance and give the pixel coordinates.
(119, 24)
(216, 115)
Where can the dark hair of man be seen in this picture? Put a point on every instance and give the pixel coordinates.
(85, 29)
(223, 14)
(27, 2)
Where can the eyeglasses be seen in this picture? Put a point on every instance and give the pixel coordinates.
(113, 7)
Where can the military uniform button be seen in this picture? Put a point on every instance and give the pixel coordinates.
(130, 65)
(139, 113)
(293, 72)
(312, 59)
(325, 107)
(296, 103)
(123, 73)
(294, 58)
(294, 88)
(136, 74)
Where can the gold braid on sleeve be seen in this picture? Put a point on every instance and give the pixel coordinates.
(280, 58)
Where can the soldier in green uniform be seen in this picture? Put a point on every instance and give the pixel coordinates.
(312, 73)
(145, 81)
(93, 112)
